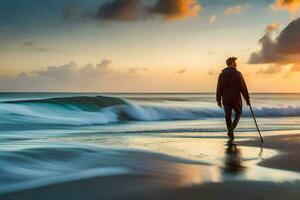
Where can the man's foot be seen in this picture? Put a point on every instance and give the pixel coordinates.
(230, 135)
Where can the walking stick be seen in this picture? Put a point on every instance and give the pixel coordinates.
(262, 141)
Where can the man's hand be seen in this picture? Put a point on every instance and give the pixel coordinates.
(220, 104)
(248, 102)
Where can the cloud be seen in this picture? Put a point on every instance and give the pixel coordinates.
(295, 68)
(182, 71)
(134, 70)
(31, 46)
(73, 71)
(123, 10)
(211, 73)
(271, 69)
(291, 6)
(273, 27)
(235, 10)
(176, 9)
(212, 19)
(28, 43)
(210, 53)
(268, 52)
(129, 10)
(70, 77)
(43, 50)
(285, 49)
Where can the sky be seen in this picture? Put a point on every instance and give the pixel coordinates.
(147, 45)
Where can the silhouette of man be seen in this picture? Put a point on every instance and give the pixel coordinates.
(231, 85)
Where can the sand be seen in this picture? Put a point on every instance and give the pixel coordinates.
(133, 187)
(289, 146)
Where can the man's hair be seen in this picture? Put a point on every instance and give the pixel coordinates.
(230, 60)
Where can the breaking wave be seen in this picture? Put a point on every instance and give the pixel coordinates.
(85, 110)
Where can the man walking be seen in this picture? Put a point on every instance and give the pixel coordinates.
(231, 85)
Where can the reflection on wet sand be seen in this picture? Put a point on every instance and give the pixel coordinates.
(195, 159)
(233, 165)
(233, 162)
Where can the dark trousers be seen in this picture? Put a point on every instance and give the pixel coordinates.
(228, 116)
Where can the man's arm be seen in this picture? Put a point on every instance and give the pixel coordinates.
(244, 89)
(219, 90)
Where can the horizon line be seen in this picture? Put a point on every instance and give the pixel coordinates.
(77, 92)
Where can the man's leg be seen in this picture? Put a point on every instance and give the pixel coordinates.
(237, 117)
(228, 115)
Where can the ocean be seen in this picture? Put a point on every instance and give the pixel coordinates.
(49, 138)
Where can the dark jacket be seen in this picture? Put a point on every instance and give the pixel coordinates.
(231, 85)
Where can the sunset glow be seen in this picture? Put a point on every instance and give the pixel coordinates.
(149, 46)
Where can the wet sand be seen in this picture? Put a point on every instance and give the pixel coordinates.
(127, 187)
(289, 146)
(170, 181)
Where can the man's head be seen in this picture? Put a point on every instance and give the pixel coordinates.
(231, 62)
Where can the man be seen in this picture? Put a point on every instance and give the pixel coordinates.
(231, 85)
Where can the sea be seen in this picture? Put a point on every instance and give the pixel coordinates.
(50, 138)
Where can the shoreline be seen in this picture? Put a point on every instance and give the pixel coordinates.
(287, 145)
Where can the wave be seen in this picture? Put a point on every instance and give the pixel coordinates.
(41, 166)
(47, 164)
(105, 110)
(82, 102)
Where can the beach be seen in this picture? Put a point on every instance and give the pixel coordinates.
(163, 184)
(289, 148)
(149, 100)
(76, 146)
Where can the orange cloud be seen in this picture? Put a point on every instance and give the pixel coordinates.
(236, 9)
(273, 27)
(212, 19)
(177, 9)
(291, 6)
(271, 69)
